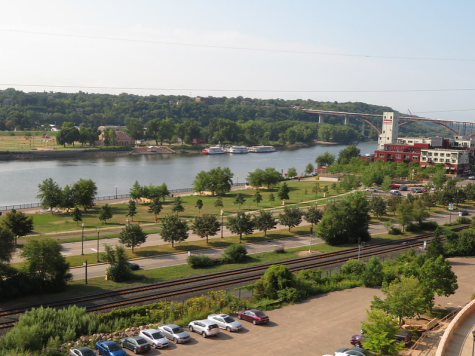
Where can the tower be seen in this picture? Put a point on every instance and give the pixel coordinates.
(390, 129)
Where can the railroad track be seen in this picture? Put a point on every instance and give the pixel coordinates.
(176, 288)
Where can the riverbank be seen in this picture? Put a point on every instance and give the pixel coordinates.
(58, 154)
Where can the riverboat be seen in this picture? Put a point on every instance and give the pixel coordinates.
(213, 150)
(237, 149)
(261, 149)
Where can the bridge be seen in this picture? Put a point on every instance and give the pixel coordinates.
(457, 128)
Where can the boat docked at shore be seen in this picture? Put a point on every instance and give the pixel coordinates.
(213, 150)
(237, 149)
(261, 149)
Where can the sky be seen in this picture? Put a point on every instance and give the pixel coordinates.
(408, 55)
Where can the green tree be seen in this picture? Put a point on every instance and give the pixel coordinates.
(264, 221)
(136, 192)
(291, 217)
(271, 197)
(380, 332)
(18, 223)
(373, 274)
(132, 235)
(325, 160)
(386, 185)
(404, 298)
(291, 172)
(268, 177)
(110, 137)
(419, 211)
(217, 181)
(241, 224)
(134, 129)
(283, 192)
(68, 134)
(404, 214)
(49, 193)
(239, 199)
(206, 225)
(199, 205)
(275, 279)
(85, 191)
(7, 245)
(309, 168)
(235, 253)
(44, 260)
(76, 214)
(377, 206)
(257, 197)
(131, 209)
(435, 248)
(178, 206)
(348, 153)
(313, 215)
(174, 229)
(67, 198)
(105, 213)
(392, 203)
(166, 130)
(155, 207)
(117, 258)
(218, 202)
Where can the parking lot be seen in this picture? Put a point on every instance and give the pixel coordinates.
(315, 327)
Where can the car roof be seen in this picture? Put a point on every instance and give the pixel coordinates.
(83, 349)
(107, 342)
(221, 315)
(170, 325)
(150, 330)
(253, 310)
(206, 321)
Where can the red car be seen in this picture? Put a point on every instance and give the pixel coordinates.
(254, 316)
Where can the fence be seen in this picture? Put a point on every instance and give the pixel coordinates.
(106, 197)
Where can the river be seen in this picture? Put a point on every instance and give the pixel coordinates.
(19, 179)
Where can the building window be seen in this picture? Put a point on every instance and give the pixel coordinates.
(436, 154)
(430, 153)
(406, 157)
(414, 158)
(381, 155)
(398, 156)
(447, 161)
(436, 160)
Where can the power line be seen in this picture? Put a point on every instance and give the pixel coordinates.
(242, 90)
(239, 48)
(456, 110)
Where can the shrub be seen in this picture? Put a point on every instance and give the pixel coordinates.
(235, 253)
(289, 294)
(202, 261)
(431, 225)
(413, 227)
(464, 220)
(280, 249)
(394, 231)
(119, 272)
(353, 267)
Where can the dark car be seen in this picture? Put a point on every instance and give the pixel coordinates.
(254, 316)
(81, 351)
(463, 212)
(358, 351)
(137, 344)
(417, 190)
(404, 336)
(132, 266)
(109, 348)
(403, 188)
(357, 340)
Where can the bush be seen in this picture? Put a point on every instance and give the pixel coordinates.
(202, 261)
(119, 272)
(394, 231)
(235, 253)
(464, 220)
(353, 267)
(431, 225)
(280, 249)
(413, 227)
(289, 294)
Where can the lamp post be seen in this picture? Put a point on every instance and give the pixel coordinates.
(98, 245)
(82, 239)
(116, 192)
(311, 236)
(360, 245)
(85, 266)
(128, 222)
(222, 220)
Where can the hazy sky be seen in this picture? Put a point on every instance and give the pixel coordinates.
(331, 50)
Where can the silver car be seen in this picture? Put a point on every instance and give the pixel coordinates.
(155, 338)
(224, 321)
(204, 327)
(81, 351)
(175, 333)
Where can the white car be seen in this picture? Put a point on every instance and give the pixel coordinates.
(372, 189)
(471, 177)
(224, 321)
(204, 327)
(155, 338)
(175, 333)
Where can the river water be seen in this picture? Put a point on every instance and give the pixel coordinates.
(19, 179)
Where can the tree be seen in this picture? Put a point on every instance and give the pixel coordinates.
(271, 197)
(132, 235)
(118, 270)
(380, 330)
(373, 274)
(239, 199)
(348, 153)
(257, 197)
(241, 224)
(419, 211)
(291, 172)
(404, 214)
(110, 137)
(155, 207)
(268, 177)
(44, 261)
(219, 202)
(309, 168)
(217, 181)
(386, 185)
(68, 134)
(313, 215)
(235, 253)
(392, 203)
(404, 298)
(18, 223)
(199, 205)
(166, 130)
(7, 244)
(377, 206)
(131, 209)
(134, 129)
(85, 191)
(174, 229)
(276, 278)
(76, 214)
(67, 198)
(264, 221)
(206, 225)
(49, 193)
(105, 213)
(325, 160)
(178, 206)
(435, 248)
(291, 217)
(136, 192)
(283, 192)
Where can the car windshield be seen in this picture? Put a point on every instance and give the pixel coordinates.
(177, 330)
(260, 314)
(157, 335)
(88, 353)
(228, 319)
(141, 341)
(212, 326)
(114, 347)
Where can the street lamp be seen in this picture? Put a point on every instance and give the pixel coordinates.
(116, 192)
(98, 245)
(360, 245)
(82, 239)
(311, 235)
(222, 219)
(128, 222)
(85, 266)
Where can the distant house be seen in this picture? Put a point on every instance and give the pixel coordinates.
(244, 102)
(197, 141)
(210, 101)
(122, 139)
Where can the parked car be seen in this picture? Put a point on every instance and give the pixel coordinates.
(372, 189)
(81, 351)
(155, 338)
(339, 352)
(404, 336)
(355, 351)
(224, 321)
(358, 340)
(395, 192)
(463, 212)
(175, 333)
(403, 188)
(109, 348)
(416, 190)
(204, 327)
(471, 177)
(137, 344)
(395, 186)
(254, 316)
(132, 266)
